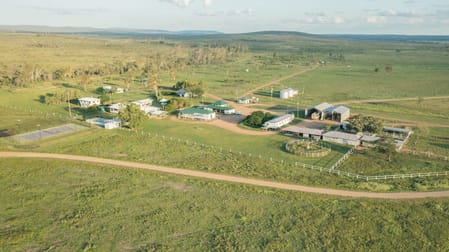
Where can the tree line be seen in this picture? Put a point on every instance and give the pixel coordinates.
(150, 67)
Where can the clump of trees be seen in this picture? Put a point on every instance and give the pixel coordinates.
(133, 116)
(361, 123)
(59, 97)
(177, 103)
(257, 119)
(195, 88)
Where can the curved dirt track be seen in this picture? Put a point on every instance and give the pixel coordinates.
(228, 178)
(233, 127)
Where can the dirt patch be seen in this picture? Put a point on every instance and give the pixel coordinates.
(179, 186)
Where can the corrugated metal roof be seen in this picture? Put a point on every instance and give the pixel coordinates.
(341, 135)
(322, 106)
(397, 130)
(196, 110)
(370, 138)
(280, 118)
(299, 130)
(341, 110)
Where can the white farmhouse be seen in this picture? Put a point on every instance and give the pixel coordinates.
(86, 102)
(197, 113)
(144, 105)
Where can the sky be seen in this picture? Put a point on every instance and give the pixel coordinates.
(413, 17)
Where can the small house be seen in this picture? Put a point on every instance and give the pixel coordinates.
(107, 88)
(221, 107)
(197, 113)
(120, 90)
(105, 123)
(244, 100)
(115, 108)
(87, 102)
(144, 104)
(163, 101)
(278, 122)
(183, 93)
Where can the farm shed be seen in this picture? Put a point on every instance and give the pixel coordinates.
(105, 123)
(398, 132)
(317, 112)
(337, 113)
(369, 141)
(197, 113)
(86, 102)
(278, 122)
(342, 138)
(303, 132)
(325, 111)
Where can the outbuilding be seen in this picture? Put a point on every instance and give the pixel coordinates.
(105, 123)
(87, 102)
(315, 134)
(342, 138)
(278, 122)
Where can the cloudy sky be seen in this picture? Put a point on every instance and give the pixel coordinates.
(235, 16)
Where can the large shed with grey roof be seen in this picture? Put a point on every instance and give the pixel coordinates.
(342, 138)
(326, 111)
(303, 132)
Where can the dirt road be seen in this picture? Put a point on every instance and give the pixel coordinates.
(228, 178)
(393, 99)
(230, 126)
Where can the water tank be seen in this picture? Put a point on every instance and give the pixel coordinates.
(284, 94)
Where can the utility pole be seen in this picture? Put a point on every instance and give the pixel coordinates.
(68, 101)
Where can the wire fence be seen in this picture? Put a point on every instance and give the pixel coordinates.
(331, 170)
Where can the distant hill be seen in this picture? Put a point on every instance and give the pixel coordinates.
(100, 31)
(392, 37)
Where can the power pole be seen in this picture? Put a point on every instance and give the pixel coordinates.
(68, 101)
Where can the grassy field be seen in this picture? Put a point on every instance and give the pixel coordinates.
(53, 205)
(69, 206)
(421, 111)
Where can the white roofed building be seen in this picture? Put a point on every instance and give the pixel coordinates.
(86, 102)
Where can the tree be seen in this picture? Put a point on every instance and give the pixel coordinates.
(85, 81)
(133, 116)
(196, 89)
(257, 119)
(360, 123)
(387, 147)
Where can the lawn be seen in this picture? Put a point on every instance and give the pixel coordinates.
(56, 205)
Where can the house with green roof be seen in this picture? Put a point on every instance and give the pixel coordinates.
(197, 113)
(221, 107)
